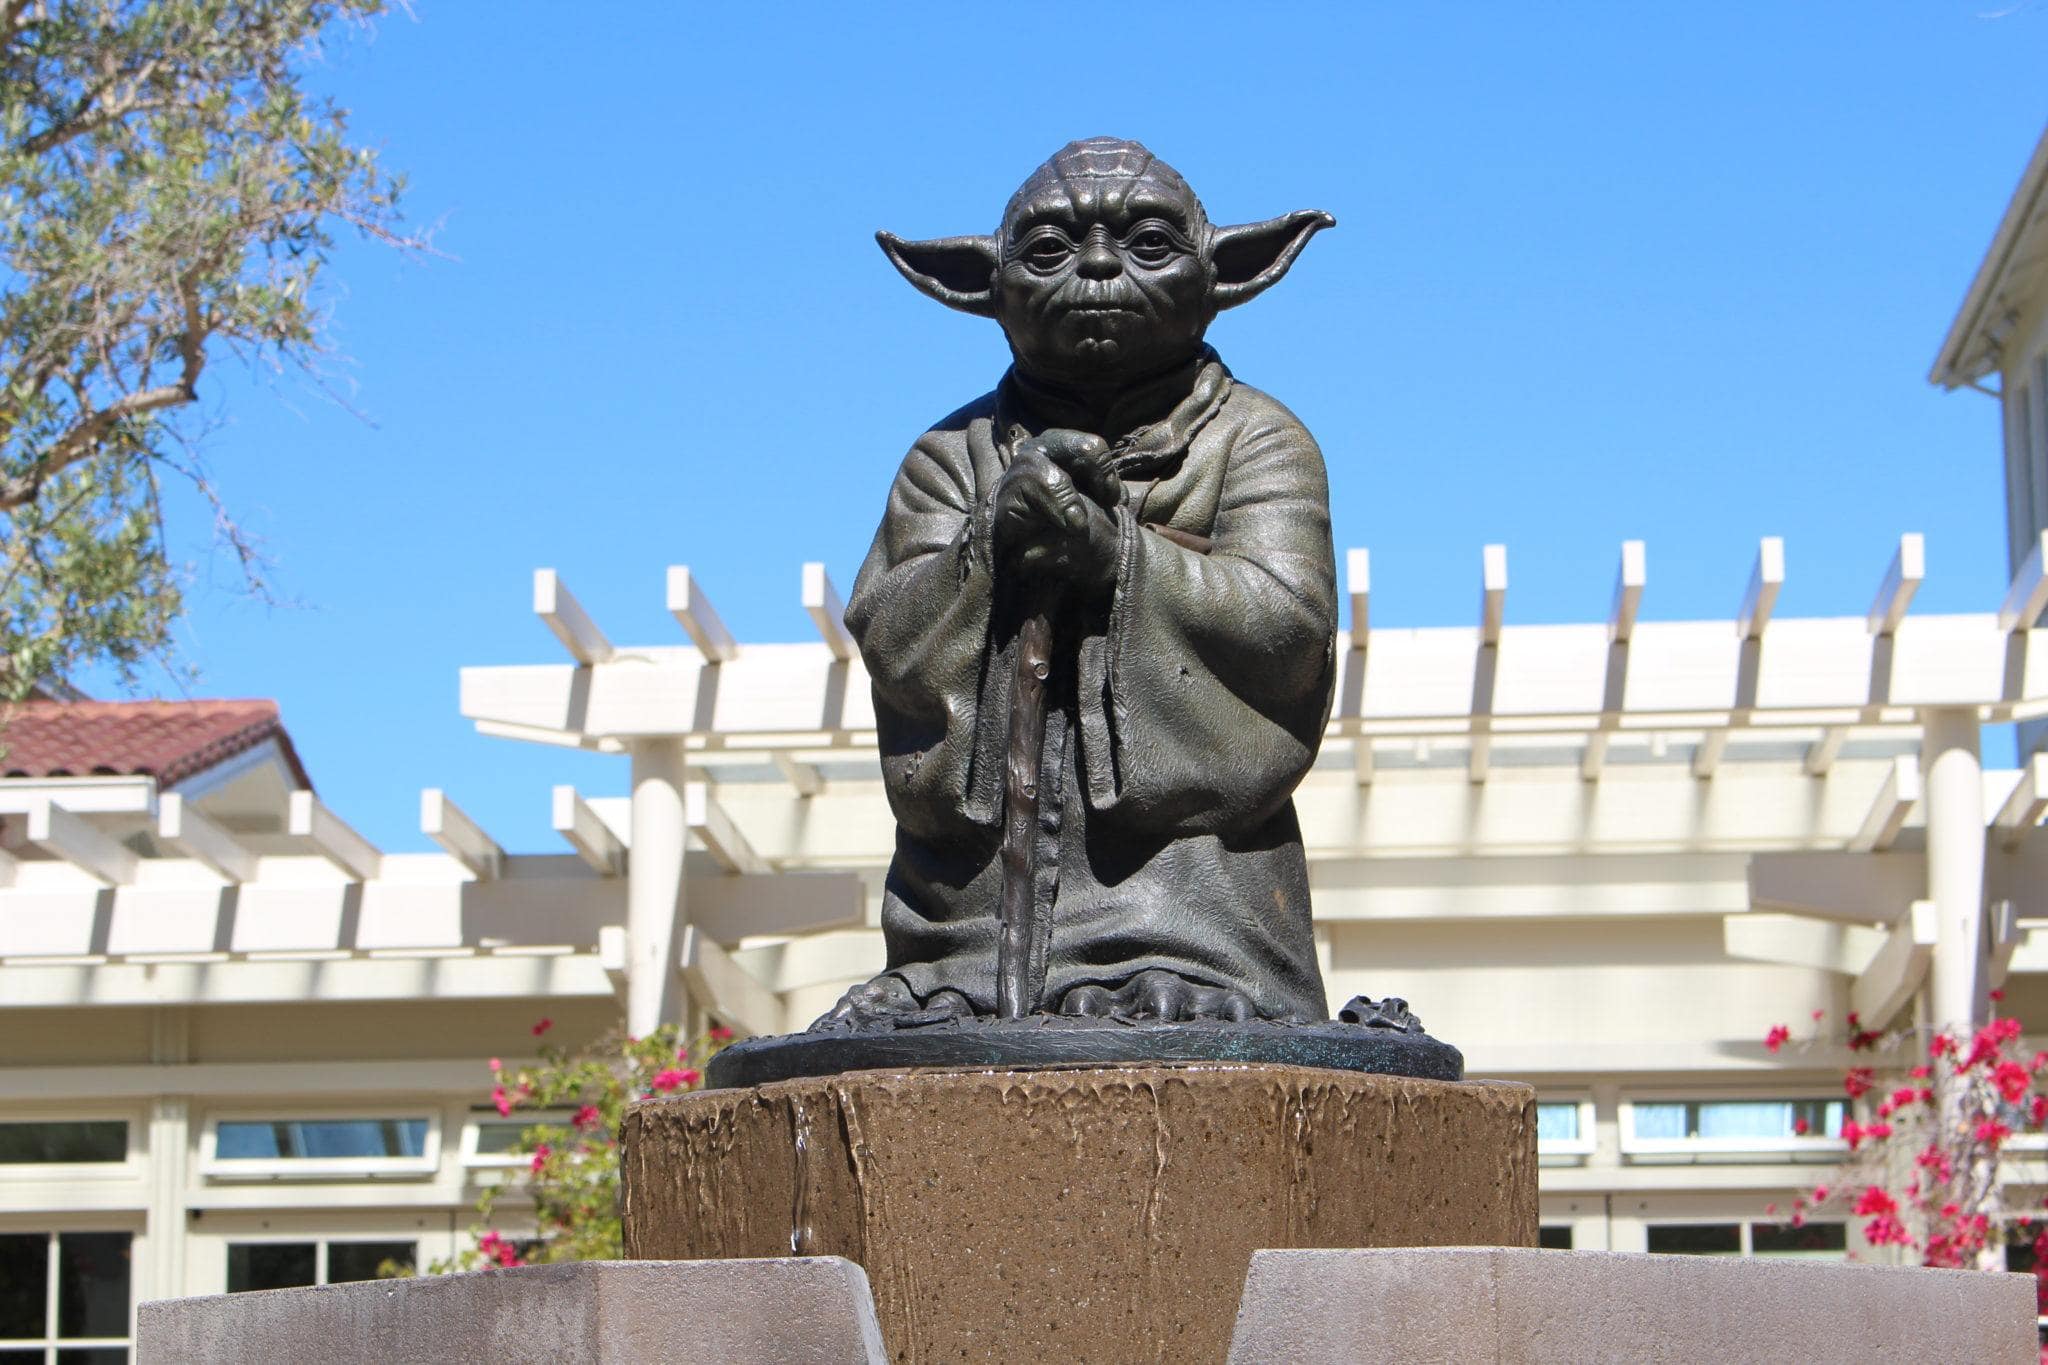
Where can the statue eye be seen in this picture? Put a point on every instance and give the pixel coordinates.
(1152, 245)
(1046, 251)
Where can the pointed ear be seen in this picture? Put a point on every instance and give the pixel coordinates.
(959, 272)
(1251, 257)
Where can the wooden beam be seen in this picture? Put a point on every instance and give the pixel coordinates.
(61, 834)
(828, 613)
(2026, 805)
(2026, 598)
(1358, 583)
(711, 824)
(726, 989)
(559, 610)
(1766, 577)
(1901, 581)
(1361, 760)
(1706, 759)
(2002, 939)
(805, 777)
(1822, 753)
(692, 608)
(1493, 592)
(180, 827)
(736, 906)
(307, 818)
(612, 957)
(590, 836)
(1628, 592)
(465, 841)
(1890, 807)
(1860, 888)
(1898, 968)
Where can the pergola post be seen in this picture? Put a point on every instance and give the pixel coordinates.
(1953, 784)
(655, 911)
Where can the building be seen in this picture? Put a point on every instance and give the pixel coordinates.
(242, 1047)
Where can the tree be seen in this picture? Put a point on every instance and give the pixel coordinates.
(570, 1178)
(168, 189)
(1927, 1145)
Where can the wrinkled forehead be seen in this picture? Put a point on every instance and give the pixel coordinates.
(1103, 180)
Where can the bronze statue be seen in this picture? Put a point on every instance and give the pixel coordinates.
(1100, 617)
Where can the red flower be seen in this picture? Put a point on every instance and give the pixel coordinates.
(1820, 1194)
(1993, 1132)
(1852, 1133)
(672, 1079)
(1874, 1202)
(2037, 1110)
(1877, 1130)
(497, 1065)
(1799, 1126)
(1819, 1015)
(1921, 1072)
(2012, 1080)
(540, 1157)
(720, 1033)
(496, 1248)
(1997, 993)
(587, 1117)
(502, 1100)
(543, 1026)
(1857, 1081)
(1941, 1046)
(1771, 1210)
(1775, 1039)
(1903, 1096)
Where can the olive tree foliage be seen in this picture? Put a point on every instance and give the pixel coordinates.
(169, 190)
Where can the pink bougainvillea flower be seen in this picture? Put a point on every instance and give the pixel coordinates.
(2012, 1081)
(1885, 1230)
(1799, 1126)
(691, 1075)
(1921, 1072)
(1992, 1131)
(540, 1157)
(1775, 1039)
(1820, 1194)
(1903, 1096)
(1874, 1202)
(2037, 1110)
(1852, 1133)
(1858, 1081)
(1997, 993)
(587, 1117)
(1771, 1210)
(1877, 1130)
(670, 1079)
(543, 1026)
(682, 1054)
(1819, 1015)
(502, 1101)
(1941, 1046)
(720, 1033)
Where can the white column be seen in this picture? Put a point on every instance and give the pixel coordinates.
(1954, 792)
(160, 1271)
(654, 887)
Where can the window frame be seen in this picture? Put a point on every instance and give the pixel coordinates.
(1651, 1151)
(131, 1165)
(319, 1243)
(1569, 1151)
(214, 1167)
(50, 1343)
(1745, 1237)
(473, 1125)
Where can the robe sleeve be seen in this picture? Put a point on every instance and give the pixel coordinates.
(920, 611)
(1204, 700)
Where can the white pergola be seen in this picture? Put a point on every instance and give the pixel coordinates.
(1816, 781)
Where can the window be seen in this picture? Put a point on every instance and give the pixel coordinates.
(1554, 1237)
(64, 1297)
(237, 1147)
(1722, 1130)
(294, 1265)
(495, 1141)
(62, 1143)
(1813, 1241)
(1564, 1130)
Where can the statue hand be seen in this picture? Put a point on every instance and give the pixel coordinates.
(1086, 459)
(1047, 528)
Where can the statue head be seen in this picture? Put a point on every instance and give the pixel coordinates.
(1106, 270)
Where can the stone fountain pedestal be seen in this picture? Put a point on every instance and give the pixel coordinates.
(1083, 1213)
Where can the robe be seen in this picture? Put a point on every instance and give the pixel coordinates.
(1184, 705)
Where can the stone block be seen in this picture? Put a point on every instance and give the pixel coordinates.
(1102, 1213)
(785, 1311)
(1512, 1305)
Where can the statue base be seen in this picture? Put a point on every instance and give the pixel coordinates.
(1052, 1041)
(1085, 1213)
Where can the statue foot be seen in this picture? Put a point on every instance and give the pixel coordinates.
(1159, 995)
(888, 1002)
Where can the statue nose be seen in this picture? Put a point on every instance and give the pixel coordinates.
(1098, 260)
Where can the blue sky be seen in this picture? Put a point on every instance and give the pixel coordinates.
(1674, 273)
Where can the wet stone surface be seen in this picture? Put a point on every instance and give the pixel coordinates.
(1083, 1213)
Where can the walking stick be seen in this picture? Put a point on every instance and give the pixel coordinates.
(1020, 816)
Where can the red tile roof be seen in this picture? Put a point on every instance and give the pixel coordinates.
(168, 740)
